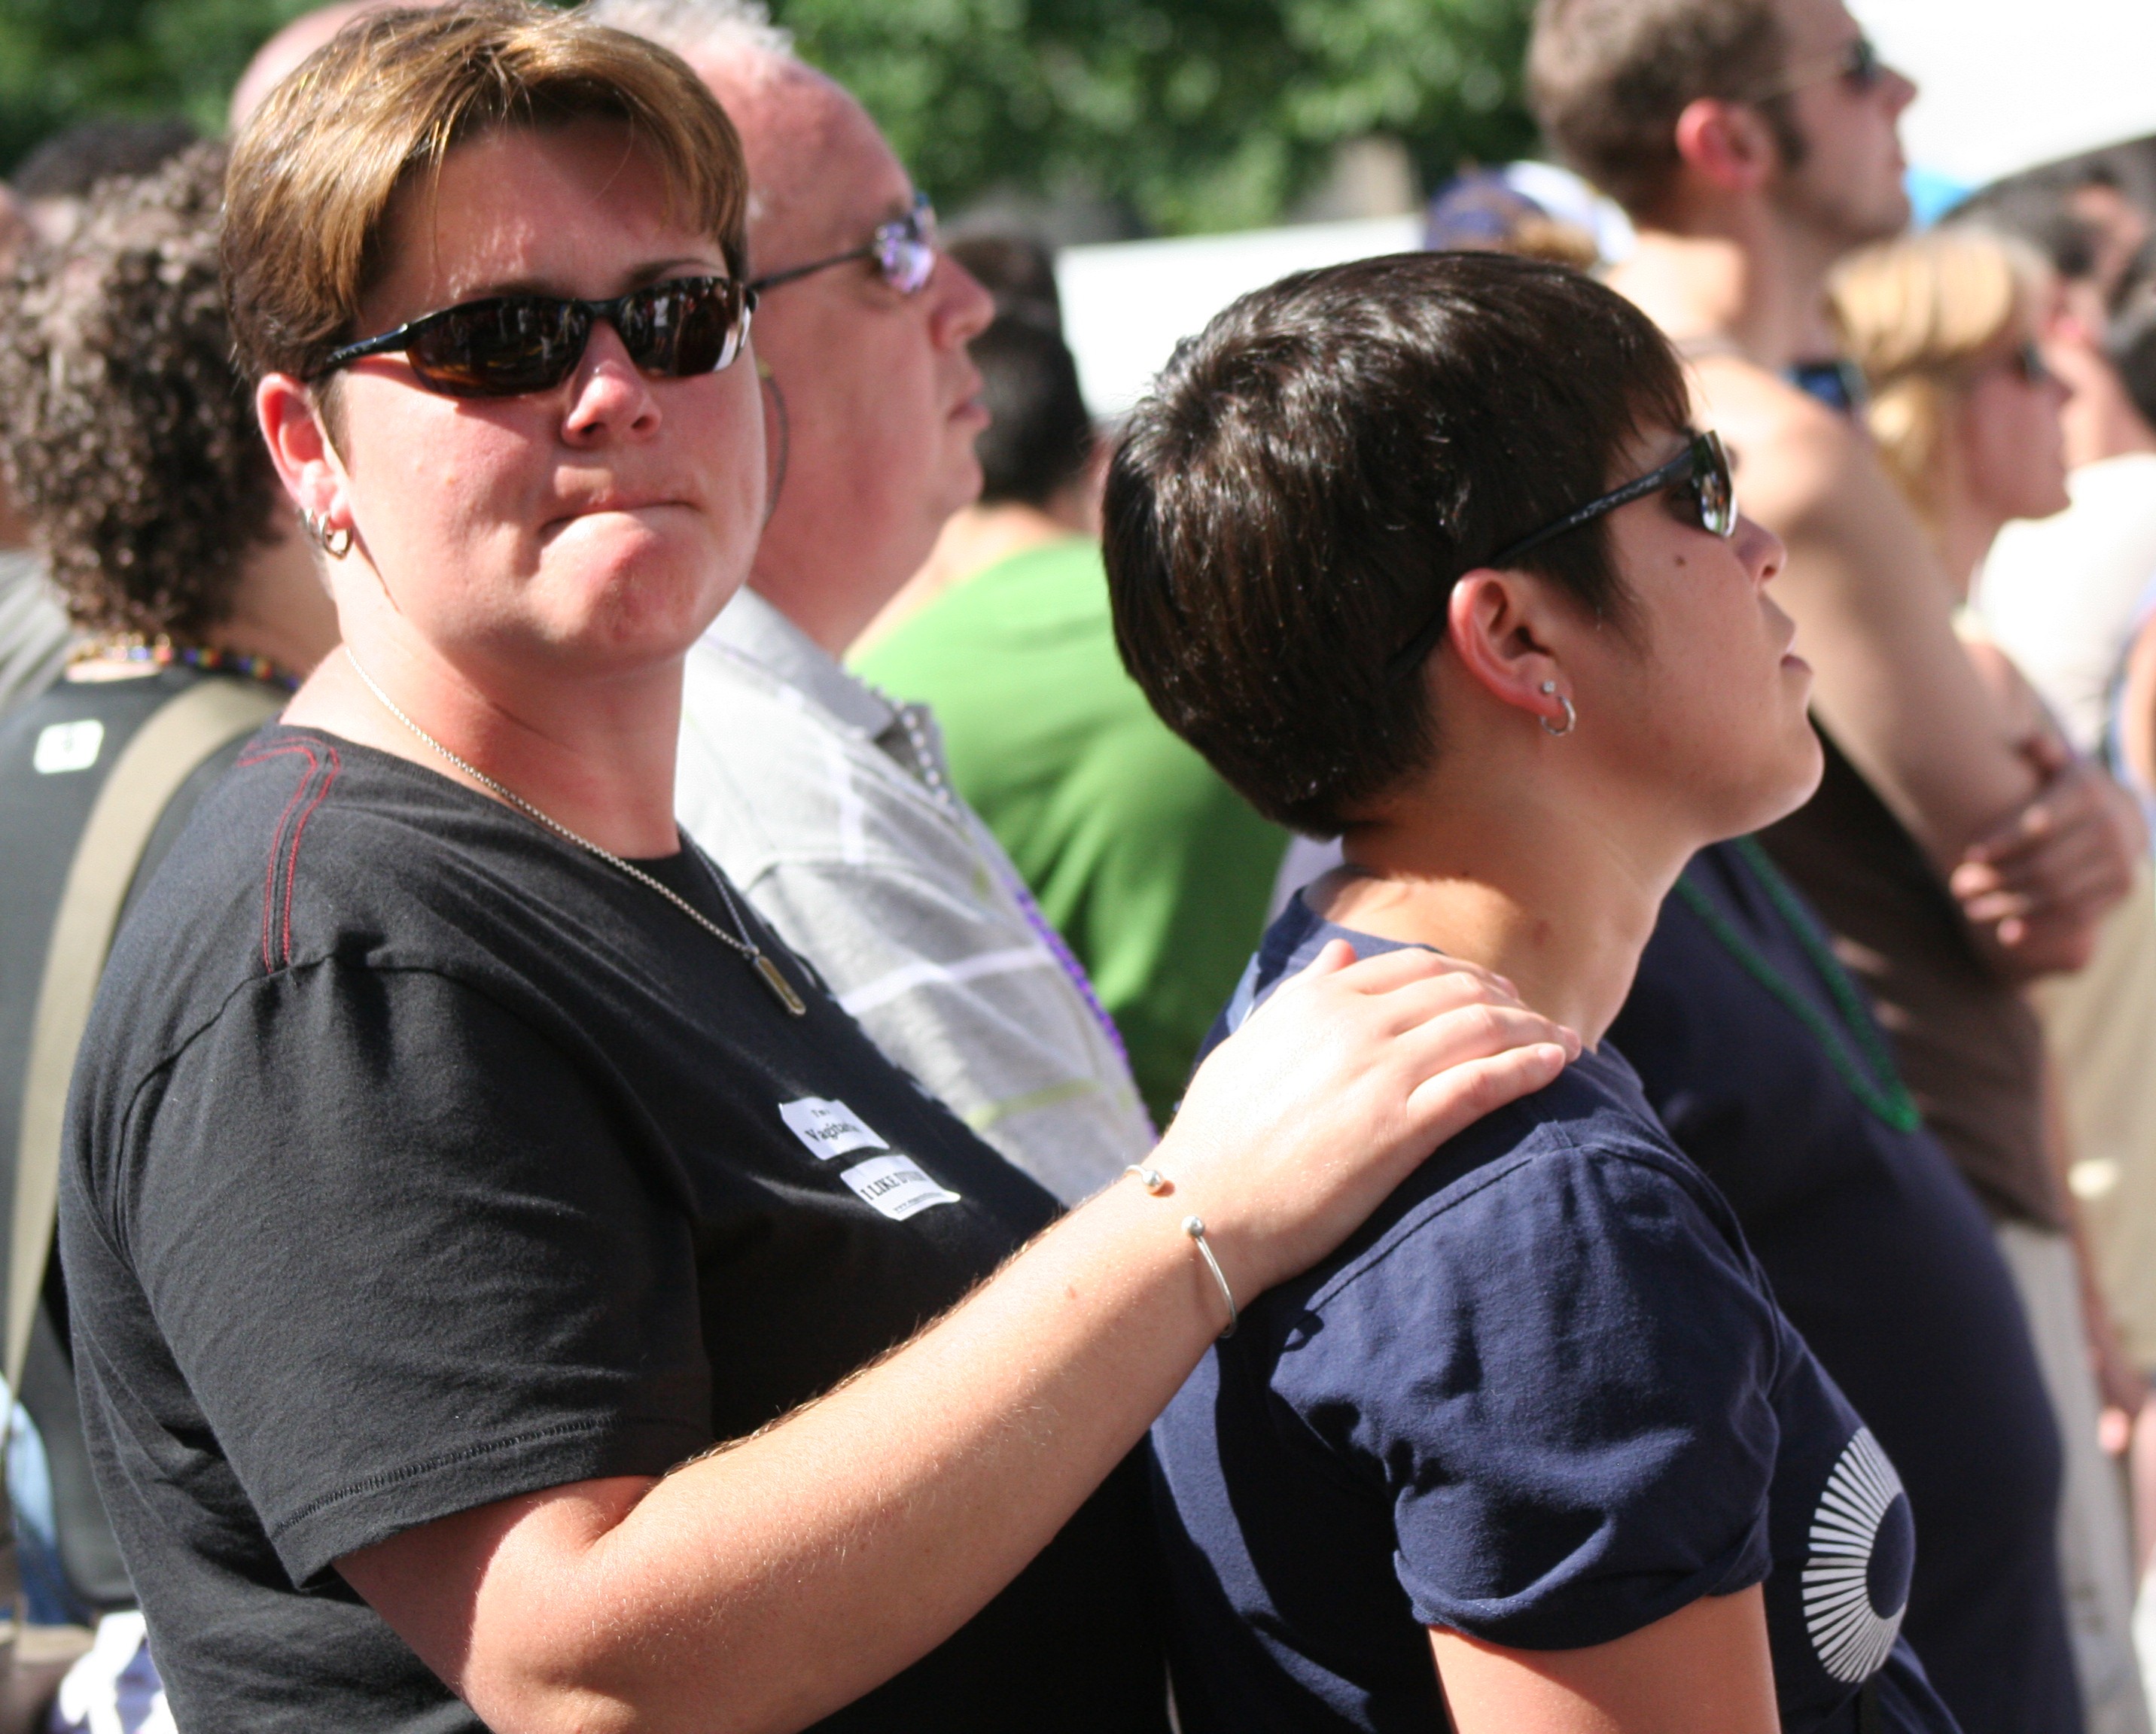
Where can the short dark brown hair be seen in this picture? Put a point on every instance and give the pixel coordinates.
(128, 439)
(316, 169)
(1608, 79)
(1315, 470)
(1039, 435)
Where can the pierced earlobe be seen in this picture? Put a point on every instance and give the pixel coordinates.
(335, 543)
(1571, 715)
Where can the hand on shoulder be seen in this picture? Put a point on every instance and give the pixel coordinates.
(1298, 1126)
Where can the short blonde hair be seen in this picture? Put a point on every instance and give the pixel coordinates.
(316, 169)
(1919, 315)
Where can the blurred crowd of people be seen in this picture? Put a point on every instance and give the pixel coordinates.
(571, 665)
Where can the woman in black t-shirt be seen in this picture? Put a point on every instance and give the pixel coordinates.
(1420, 551)
(455, 1160)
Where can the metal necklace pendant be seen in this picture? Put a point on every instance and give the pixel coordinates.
(782, 990)
(765, 967)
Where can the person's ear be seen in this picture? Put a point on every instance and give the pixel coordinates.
(1727, 145)
(300, 449)
(1497, 625)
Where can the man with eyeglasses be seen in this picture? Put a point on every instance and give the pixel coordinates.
(1753, 144)
(828, 803)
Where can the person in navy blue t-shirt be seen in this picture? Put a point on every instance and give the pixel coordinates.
(1421, 551)
(1759, 1055)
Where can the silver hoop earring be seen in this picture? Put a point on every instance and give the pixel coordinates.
(335, 543)
(1571, 715)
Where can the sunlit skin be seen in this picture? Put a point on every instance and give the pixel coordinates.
(1732, 263)
(881, 405)
(526, 573)
(525, 577)
(2010, 451)
(1547, 857)
(1741, 243)
(1850, 189)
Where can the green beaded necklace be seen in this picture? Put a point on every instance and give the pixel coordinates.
(1871, 1078)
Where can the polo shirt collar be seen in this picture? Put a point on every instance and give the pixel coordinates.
(750, 627)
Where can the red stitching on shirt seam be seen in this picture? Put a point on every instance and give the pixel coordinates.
(299, 830)
(270, 868)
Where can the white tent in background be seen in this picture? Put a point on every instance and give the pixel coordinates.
(2006, 85)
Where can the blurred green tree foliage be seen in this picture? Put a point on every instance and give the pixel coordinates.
(1197, 113)
(67, 60)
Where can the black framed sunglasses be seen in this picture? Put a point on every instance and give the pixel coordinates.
(2028, 362)
(904, 250)
(1701, 470)
(1856, 62)
(508, 346)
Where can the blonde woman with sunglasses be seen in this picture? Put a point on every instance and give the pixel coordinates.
(1949, 328)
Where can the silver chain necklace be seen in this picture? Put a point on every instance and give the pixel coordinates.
(753, 955)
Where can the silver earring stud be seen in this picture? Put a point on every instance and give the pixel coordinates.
(1571, 715)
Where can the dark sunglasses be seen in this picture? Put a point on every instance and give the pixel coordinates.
(2028, 362)
(1856, 61)
(904, 250)
(1701, 470)
(507, 346)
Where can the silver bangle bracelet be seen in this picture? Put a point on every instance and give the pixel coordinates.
(1155, 1182)
(1195, 1226)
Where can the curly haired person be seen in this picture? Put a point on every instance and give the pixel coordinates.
(131, 451)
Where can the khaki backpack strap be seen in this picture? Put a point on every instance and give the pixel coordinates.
(162, 754)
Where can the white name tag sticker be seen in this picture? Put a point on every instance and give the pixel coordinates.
(68, 746)
(828, 1128)
(895, 1186)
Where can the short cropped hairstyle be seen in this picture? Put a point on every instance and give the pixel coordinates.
(318, 167)
(1316, 470)
(1608, 79)
(128, 439)
(1017, 270)
(1039, 434)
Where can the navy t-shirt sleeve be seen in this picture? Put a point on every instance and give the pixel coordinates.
(437, 1282)
(1567, 1394)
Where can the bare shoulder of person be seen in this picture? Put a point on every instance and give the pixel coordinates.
(1795, 458)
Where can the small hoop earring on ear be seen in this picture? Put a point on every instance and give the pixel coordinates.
(1571, 715)
(335, 543)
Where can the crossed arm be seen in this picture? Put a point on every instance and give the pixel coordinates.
(2032, 840)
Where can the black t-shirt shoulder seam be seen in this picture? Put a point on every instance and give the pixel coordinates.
(427, 1466)
(155, 1068)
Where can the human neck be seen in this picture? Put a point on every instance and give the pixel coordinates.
(595, 753)
(1522, 882)
(281, 608)
(1965, 532)
(1748, 282)
(975, 539)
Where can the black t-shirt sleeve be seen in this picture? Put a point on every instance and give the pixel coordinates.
(436, 1281)
(1567, 1392)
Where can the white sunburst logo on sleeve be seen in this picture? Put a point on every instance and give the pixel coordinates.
(1851, 1636)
